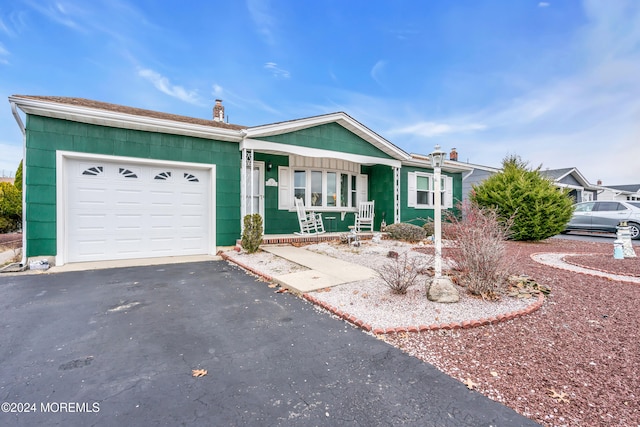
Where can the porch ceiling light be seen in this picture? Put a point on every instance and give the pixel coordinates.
(437, 157)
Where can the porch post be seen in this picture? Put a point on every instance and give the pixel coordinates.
(396, 195)
(243, 187)
(252, 189)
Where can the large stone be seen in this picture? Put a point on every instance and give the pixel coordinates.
(443, 290)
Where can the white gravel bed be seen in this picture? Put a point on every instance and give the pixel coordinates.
(372, 301)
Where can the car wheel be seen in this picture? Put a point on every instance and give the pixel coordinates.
(634, 230)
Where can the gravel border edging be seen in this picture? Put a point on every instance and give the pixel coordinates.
(567, 267)
(564, 259)
(467, 324)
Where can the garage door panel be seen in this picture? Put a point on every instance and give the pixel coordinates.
(88, 249)
(88, 196)
(120, 210)
(132, 198)
(86, 222)
(192, 243)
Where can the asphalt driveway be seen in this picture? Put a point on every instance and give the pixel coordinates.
(117, 347)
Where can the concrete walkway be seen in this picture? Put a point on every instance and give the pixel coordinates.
(7, 255)
(324, 271)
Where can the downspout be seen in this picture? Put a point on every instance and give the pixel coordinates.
(14, 110)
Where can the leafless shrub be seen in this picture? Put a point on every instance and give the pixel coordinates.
(479, 237)
(401, 272)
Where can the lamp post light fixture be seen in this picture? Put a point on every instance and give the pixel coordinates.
(437, 158)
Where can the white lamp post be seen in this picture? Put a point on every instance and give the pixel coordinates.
(441, 288)
(437, 158)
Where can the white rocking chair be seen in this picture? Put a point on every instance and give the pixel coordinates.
(310, 222)
(364, 216)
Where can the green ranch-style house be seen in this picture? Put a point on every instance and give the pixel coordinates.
(108, 182)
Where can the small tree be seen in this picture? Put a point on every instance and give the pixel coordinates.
(539, 209)
(10, 207)
(252, 233)
(18, 180)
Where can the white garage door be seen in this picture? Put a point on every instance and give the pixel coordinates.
(121, 210)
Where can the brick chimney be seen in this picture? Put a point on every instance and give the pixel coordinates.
(453, 155)
(218, 111)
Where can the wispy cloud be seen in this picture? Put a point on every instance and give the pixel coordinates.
(276, 71)
(544, 4)
(163, 84)
(259, 10)
(377, 70)
(5, 29)
(61, 12)
(3, 54)
(432, 129)
(243, 102)
(218, 90)
(404, 34)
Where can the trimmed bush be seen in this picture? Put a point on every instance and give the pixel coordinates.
(252, 233)
(10, 207)
(405, 231)
(539, 209)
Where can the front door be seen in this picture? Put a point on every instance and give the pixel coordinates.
(254, 201)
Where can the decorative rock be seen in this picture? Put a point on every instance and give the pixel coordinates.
(443, 290)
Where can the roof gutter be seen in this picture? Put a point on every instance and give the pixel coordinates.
(23, 262)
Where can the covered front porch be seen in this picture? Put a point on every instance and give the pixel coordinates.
(329, 164)
(277, 239)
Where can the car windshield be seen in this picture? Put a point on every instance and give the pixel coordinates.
(635, 204)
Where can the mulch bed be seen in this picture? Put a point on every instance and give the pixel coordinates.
(606, 262)
(574, 362)
(11, 240)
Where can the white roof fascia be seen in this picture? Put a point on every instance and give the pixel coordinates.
(574, 187)
(425, 162)
(286, 149)
(122, 120)
(342, 119)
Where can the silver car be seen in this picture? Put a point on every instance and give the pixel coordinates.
(605, 216)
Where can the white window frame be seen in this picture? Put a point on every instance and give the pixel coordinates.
(412, 190)
(287, 175)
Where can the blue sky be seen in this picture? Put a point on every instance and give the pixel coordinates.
(555, 82)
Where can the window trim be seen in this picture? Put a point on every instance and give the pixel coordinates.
(446, 190)
(290, 192)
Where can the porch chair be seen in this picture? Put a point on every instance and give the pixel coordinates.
(310, 222)
(364, 216)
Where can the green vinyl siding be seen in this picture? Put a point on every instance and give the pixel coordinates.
(331, 137)
(418, 216)
(47, 135)
(381, 191)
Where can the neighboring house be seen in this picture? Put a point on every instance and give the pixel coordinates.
(620, 192)
(579, 188)
(106, 181)
(475, 177)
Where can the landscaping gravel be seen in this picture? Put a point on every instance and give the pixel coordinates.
(574, 362)
(373, 302)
